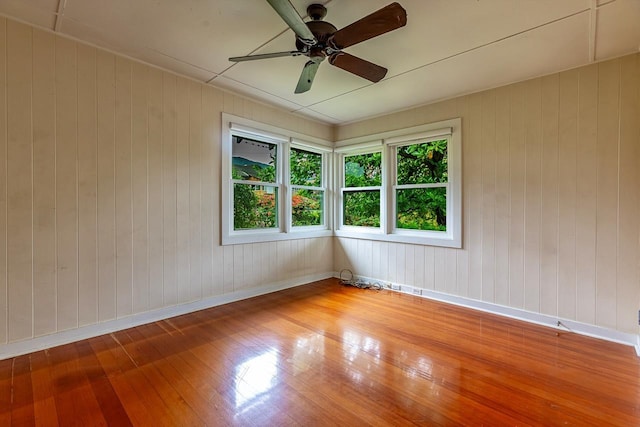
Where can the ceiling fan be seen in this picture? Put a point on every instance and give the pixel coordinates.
(318, 39)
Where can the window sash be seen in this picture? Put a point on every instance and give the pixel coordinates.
(449, 130)
(285, 140)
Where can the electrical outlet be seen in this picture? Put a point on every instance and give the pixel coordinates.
(395, 286)
(417, 291)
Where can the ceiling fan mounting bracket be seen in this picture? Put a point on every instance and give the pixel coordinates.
(316, 11)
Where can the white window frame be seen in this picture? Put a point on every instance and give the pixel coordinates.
(452, 237)
(285, 139)
(325, 152)
(344, 153)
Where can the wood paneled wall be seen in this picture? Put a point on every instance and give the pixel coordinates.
(551, 196)
(110, 177)
(110, 189)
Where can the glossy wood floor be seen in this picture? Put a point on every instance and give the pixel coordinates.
(324, 354)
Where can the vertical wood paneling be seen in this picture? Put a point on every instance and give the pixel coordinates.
(44, 181)
(227, 273)
(4, 299)
(429, 268)
(384, 261)
(208, 135)
(567, 189)
(392, 260)
(472, 174)
(375, 259)
(463, 256)
(488, 142)
(586, 195)
(19, 182)
(110, 179)
(182, 189)
(549, 200)
(105, 77)
(87, 187)
(451, 268)
(555, 162)
(400, 269)
(439, 270)
(607, 196)
(628, 290)
(155, 183)
(409, 265)
(419, 266)
(139, 188)
(533, 191)
(502, 216)
(124, 191)
(517, 179)
(67, 183)
(238, 265)
(110, 176)
(213, 106)
(195, 205)
(169, 182)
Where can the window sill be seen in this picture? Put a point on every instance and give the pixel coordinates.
(414, 239)
(259, 236)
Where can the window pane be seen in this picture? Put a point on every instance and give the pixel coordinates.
(363, 170)
(423, 163)
(362, 208)
(306, 207)
(422, 208)
(253, 160)
(254, 206)
(306, 168)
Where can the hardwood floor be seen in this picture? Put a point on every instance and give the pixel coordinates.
(324, 354)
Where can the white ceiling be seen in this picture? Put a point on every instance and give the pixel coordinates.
(448, 48)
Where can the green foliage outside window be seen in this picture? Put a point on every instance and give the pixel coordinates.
(306, 204)
(363, 170)
(422, 208)
(362, 208)
(306, 207)
(254, 205)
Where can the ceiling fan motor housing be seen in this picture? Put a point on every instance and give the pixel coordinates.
(321, 30)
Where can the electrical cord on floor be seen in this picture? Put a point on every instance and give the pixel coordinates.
(349, 280)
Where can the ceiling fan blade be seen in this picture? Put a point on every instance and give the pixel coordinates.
(306, 78)
(264, 56)
(387, 19)
(358, 66)
(291, 16)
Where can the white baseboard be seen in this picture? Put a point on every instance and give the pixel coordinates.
(632, 340)
(59, 338)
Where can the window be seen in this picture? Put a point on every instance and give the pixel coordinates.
(420, 186)
(274, 183)
(255, 187)
(402, 186)
(361, 189)
(307, 188)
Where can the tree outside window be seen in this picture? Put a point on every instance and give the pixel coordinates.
(362, 189)
(255, 188)
(307, 198)
(421, 186)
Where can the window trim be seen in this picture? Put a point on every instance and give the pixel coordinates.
(376, 147)
(235, 125)
(389, 141)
